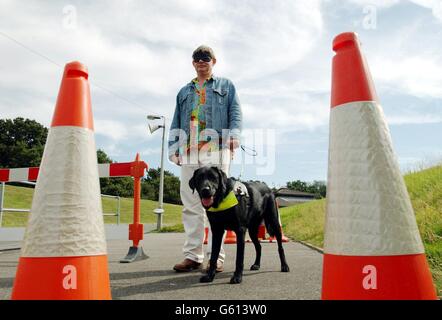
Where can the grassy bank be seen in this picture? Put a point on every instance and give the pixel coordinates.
(306, 222)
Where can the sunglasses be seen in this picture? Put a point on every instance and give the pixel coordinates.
(203, 57)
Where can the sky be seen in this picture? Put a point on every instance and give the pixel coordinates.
(277, 53)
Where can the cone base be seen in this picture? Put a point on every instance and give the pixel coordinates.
(62, 278)
(405, 277)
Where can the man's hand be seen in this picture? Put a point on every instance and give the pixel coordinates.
(176, 159)
(233, 144)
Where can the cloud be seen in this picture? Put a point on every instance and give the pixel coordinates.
(413, 119)
(151, 151)
(420, 76)
(298, 112)
(434, 5)
(377, 3)
(110, 129)
(144, 51)
(135, 49)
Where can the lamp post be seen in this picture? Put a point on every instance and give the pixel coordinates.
(159, 211)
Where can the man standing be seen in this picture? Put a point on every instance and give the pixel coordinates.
(205, 131)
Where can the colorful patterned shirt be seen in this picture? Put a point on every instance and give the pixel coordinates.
(197, 117)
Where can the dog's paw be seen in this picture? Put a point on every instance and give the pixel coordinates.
(236, 279)
(206, 279)
(285, 268)
(255, 267)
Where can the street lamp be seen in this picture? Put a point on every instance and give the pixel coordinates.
(152, 128)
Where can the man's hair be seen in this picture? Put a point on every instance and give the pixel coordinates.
(204, 49)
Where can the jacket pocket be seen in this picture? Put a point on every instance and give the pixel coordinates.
(184, 98)
(186, 101)
(220, 96)
(220, 110)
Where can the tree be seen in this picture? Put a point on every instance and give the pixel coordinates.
(151, 184)
(318, 188)
(122, 187)
(22, 143)
(297, 185)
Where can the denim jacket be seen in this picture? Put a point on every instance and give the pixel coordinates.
(223, 119)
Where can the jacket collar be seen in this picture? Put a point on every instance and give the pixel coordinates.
(212, 77)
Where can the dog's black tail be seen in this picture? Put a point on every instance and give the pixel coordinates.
(271, 215)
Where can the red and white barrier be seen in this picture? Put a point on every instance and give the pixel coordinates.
(105, 170)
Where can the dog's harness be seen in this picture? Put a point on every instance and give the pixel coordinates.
(239, 189)
(228, 202)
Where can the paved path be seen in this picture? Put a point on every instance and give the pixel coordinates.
(154, 278)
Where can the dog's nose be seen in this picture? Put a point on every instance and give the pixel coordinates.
(205, 192)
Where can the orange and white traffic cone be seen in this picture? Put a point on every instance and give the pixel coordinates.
(206, 235)
(262, 235)
(372, 246)
(262, 232)
(64, 253)
(230, 236)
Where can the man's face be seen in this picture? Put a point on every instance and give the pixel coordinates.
(202, 66)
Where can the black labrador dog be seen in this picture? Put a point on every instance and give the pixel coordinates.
(236, 210)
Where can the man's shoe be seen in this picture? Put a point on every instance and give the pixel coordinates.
(187, 265)
(219, 267)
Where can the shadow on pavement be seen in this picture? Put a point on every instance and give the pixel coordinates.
(177, 282)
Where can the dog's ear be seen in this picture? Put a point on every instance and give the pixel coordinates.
(222, 180)
(192, 184)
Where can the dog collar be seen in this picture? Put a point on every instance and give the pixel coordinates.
(228, 202)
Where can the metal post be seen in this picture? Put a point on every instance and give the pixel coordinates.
(118, 210)
(2, 196)
(160, 200)
(159, 211)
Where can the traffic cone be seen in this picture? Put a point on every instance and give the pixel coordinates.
(264, 237)
(64, 249)
(372, 246)
(273, 239)
(229, 239)
(206, 235)
(262, 232)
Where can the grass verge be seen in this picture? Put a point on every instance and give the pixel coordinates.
(20, 197)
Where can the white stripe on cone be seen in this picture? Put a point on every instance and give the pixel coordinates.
(66, 214)
(369, 212)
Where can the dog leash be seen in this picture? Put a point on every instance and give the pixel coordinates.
(245, 151)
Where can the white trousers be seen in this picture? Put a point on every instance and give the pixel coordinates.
(194, 214)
